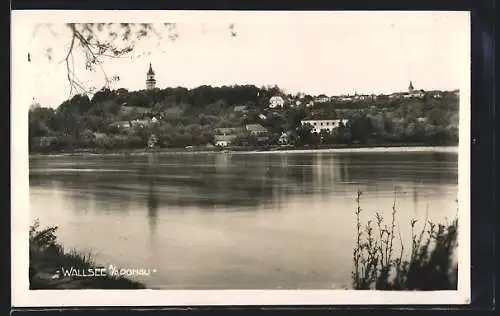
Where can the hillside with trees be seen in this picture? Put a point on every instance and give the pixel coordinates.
(189, 117)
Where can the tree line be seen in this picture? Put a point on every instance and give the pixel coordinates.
(189, 117)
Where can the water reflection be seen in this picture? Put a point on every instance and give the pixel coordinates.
(153, 204)
(415, 199)
(287, 211)
(238, 180)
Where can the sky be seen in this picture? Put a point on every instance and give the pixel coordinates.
(330, 53)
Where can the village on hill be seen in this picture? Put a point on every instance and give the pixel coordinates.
(242, 116)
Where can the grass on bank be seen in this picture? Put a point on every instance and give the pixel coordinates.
(428, 265)
(47, 256)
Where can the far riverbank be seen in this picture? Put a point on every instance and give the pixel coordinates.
(241, 149)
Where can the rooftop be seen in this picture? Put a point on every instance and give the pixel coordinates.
(150, 72)
(240, 108)
(256, 128)
(228, 130)
(221, 138)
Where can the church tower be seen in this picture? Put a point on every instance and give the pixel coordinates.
(410, 87)
(150, 81)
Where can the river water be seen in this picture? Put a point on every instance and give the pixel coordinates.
(237, 220)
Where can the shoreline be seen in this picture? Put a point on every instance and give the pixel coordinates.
(255, 150)
(45, 265)
(53, 267)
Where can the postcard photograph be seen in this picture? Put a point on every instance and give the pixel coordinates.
(270, 158)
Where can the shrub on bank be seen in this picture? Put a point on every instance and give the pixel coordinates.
(430, 263)
(47, 256)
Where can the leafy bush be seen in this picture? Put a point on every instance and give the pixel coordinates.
(430, 266)
(47, 256)
(42, 238)
(45, 240)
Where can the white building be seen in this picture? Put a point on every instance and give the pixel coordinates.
(240, 109)
(152, 141)
(329, 125)
(437, 95)
(363, 97)
(276, 101)
(283, 140)
(224, 136)
(141, 122)
(322, 99)
(419, 94)
(121, 124)
(346, 98)
(224, 140)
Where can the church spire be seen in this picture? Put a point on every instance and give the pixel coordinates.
(410, 87)
(150, 72)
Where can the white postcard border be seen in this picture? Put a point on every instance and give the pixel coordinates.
(23, 297)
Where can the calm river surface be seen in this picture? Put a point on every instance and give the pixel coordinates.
(240, 220)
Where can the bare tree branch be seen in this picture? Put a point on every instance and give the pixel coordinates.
(89, 37)
(70, 51)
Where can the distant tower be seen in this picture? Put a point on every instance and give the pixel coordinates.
(410, 87)
(150, 81)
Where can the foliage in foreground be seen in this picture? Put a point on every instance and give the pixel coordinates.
(430, 264)
(48, 256)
